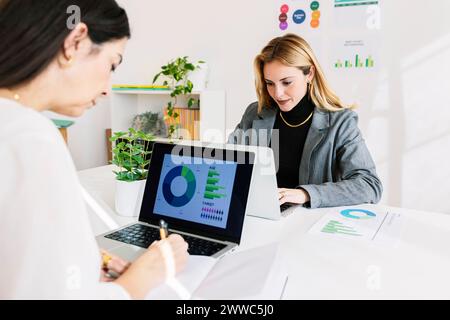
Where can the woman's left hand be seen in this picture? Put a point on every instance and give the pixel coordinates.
(297, 196)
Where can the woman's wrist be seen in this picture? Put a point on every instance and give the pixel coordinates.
(306, 194)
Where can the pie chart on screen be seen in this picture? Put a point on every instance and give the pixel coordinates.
(179, 186)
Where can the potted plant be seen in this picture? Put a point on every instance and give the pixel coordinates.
(176, 73)
(131, 155)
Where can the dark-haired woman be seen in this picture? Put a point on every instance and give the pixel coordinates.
(48, 250)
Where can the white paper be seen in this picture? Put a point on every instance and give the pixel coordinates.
(187, 281)
(360, 224)
(249, 274)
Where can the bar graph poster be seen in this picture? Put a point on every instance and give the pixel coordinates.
(359, 223)
(360, 55)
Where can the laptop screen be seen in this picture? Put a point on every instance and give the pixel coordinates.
(195, 190)
(198, 190)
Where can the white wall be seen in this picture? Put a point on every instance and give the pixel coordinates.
(87, 138)
(404, 106)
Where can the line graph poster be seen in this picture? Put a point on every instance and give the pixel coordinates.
(357, 15)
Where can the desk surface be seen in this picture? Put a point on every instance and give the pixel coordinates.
(417, 267)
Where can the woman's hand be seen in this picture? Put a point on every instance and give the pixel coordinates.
(162, 260)
(297, 196)
(112, 267)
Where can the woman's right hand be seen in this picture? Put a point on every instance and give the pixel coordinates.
(162, 260)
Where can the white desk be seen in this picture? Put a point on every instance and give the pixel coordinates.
(320, 268)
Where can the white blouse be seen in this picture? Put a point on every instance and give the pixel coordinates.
(47, 247)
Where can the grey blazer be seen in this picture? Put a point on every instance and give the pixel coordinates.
(336, 168)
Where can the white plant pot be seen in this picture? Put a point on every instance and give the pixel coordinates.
(129, 197)
(199, 77)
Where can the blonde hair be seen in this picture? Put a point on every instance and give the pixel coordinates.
(293, 51)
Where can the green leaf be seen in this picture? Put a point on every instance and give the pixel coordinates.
(156, 77)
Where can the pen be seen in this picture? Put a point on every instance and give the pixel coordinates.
(163, 232)
(105, 260)
(108, 273)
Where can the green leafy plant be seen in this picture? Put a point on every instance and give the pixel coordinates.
(131, 154)
(176, 73)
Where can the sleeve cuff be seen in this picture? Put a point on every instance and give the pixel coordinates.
(314, 198)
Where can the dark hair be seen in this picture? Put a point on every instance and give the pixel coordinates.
(33, 31)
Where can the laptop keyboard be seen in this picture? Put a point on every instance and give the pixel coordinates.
(284, 207)
(143, 236)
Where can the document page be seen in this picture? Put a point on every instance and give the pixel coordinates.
(360, 224)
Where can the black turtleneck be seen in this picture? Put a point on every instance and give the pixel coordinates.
(291, 142)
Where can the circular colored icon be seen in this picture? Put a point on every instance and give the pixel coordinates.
(283, 25)
(284, 8)
(358, 214)
(283, 17)
(314, 23)
(315, 5)
(299, 16)
(190, 185)
(315, 15)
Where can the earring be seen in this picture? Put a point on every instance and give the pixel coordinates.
(68, 63)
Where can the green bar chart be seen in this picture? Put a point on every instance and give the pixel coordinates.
(356, 62)
(212, 186)
(336, 227)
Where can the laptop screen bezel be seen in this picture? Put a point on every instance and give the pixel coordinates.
(238, 203)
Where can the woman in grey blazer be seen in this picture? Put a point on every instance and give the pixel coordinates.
(321, 157)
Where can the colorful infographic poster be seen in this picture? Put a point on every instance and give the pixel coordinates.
(297, 15)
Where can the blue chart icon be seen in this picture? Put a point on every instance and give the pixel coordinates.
(188, 175)
(299, 16)
(360, 214)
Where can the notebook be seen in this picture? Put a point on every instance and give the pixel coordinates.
(253, 274)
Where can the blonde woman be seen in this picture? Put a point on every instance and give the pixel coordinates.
(322, 158)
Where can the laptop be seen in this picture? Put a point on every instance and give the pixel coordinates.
(263, 195)
(263, 198)
(201, 192)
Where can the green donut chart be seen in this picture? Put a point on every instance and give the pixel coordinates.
(188, 175)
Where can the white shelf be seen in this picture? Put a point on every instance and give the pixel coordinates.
(150, 92)
(125, 104)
